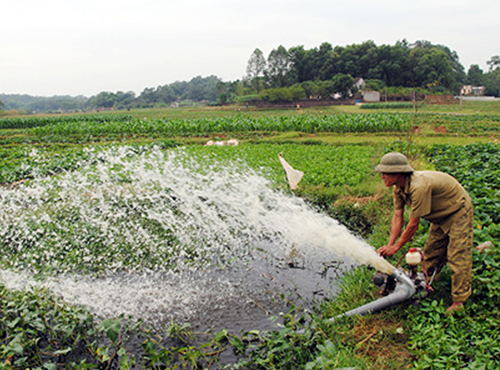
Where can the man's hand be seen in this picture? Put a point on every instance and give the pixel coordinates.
(409, 231)
(388, 250)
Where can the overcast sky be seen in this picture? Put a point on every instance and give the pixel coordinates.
(76, 47)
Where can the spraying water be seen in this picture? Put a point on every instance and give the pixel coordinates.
(154, 233)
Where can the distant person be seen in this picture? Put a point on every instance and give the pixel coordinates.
(440, 199)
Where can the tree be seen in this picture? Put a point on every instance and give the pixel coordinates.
(492, 83)
(447, 67)
(325, 89)
(367, 55)
(431, 68)
(377, 85)
(1, 105)
(227, 91)
(323, 63)
(300, 63)
(202, 88)
(179, 88)
(494, 62)
(104, 99)
(256, 67)
(475, 76)
(418, 65)
(284, 94)
(393, 65)
(492, 78)
(279, 67)
(347, 60)
(311, 89)
(342, 84)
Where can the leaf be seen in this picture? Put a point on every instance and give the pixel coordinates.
(221, 335)
(62, 351)
(111, 328)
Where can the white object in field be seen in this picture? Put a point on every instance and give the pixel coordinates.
(293, 176)
(484, 247)
(232, 142)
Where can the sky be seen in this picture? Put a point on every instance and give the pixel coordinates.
(76, 47)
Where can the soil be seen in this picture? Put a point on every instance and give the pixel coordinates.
(375, 339)
(441, 129)
(358, 200)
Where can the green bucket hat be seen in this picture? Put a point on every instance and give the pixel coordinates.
(394, 163)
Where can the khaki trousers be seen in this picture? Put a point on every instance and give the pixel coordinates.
(454, 247)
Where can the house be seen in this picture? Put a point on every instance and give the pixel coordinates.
(371, 96)
(359, 83)
(468, 90)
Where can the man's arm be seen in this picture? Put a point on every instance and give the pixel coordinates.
(396, 225)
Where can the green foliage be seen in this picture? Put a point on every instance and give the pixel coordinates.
(40, 332)
(342, 84)
(477, 168)
(92, 128)
(37, 330)
(441, 341)
(283, 94)
(288, 348)
(420, 65)
(323, 165)
(471, 124)
(279, 65)
(352, 216)
(469, 338)
(397, 93)
(63, 130)
(197, 89)
(401, 105)
(27, 122)
(29, 104)
(373, 84)
(19, 163)
(248, 98)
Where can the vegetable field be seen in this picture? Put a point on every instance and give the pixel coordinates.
(51, 129)
(87, 195)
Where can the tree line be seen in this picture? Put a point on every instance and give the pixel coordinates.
(298, 73)
(326, 71)
(198, 89)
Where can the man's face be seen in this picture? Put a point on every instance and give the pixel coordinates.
(391, 179)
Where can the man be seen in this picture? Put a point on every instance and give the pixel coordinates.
(440, 199)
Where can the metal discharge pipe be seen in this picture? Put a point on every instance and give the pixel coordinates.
(405, 289)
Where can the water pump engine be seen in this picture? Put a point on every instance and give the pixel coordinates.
(399, 286)
(413, 258)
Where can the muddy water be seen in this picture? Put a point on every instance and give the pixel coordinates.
(250, 294)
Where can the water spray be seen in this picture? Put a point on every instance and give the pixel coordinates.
(161, 234)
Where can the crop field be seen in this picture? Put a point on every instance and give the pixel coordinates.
(95, 196)
(62, 129)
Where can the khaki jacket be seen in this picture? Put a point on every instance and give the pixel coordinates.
(432, 195)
